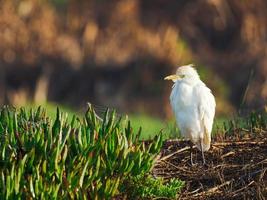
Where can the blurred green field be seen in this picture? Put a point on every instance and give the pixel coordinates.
(51, 109)
(150, 125)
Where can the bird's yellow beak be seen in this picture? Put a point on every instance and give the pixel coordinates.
(173, 77)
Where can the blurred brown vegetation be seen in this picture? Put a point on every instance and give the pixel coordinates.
(116, 52)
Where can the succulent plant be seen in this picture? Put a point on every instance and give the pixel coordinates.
(84, 158)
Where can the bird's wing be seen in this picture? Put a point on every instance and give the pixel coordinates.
(206, 110)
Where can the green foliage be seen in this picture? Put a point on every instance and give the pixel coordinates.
(82, 158)
(173, 130)
(51, 109)
(150, 125)
(145, 186)
(253, 123)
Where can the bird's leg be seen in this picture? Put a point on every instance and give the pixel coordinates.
(202, 152)
(191, 154)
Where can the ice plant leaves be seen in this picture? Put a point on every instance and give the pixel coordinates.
(85, 158)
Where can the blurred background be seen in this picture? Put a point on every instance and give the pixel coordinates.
(115, 53)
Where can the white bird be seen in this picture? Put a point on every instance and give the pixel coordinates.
(194, 107)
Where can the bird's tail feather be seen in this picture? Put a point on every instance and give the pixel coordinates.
(206, 140)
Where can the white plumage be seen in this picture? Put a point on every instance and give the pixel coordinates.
(194, 107)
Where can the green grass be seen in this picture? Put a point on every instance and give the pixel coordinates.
(147, 187)
(150, 125)
(51, 109)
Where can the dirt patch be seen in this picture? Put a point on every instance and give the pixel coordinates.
(236, 167)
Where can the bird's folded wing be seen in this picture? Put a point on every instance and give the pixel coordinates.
(206, 110)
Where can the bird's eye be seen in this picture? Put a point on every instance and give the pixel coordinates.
(182, 75)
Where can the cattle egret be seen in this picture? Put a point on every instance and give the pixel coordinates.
(193, 106)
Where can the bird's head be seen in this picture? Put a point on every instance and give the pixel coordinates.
(186, 72)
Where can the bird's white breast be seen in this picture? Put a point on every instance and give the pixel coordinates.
(185, 106)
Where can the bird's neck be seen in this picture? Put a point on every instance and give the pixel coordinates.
(190, 81)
